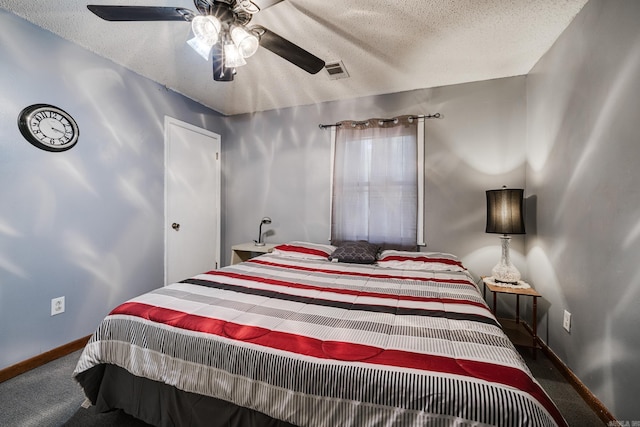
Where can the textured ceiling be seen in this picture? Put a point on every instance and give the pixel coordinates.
(386, 46)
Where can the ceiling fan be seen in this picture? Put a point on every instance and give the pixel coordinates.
(221, 30)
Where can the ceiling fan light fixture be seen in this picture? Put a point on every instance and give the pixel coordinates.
(206, 28)
(232, 56)
(200, 47)
(246, 42)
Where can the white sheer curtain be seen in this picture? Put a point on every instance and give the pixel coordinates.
(375, 182)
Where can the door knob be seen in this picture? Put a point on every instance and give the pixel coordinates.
(175, 226)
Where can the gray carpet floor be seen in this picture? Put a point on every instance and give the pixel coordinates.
(574, 409)
(45, 396)
(48, 397)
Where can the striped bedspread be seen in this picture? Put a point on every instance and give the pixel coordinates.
(316, 343)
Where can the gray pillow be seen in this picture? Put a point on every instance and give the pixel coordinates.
(360, 252)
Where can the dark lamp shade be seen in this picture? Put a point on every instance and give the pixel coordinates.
(505, 211)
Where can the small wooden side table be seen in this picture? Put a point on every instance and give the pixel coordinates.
(245, 251)
(515, 328)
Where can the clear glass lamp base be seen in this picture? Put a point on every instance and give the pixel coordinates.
(504, 271)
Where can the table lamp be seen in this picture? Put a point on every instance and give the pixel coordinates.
(505, 216)
(265, 220)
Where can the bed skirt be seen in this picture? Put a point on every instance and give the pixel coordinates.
(110, 387)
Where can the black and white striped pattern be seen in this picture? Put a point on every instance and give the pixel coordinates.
(316, 343)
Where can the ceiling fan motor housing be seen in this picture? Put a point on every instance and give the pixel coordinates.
(224, 11)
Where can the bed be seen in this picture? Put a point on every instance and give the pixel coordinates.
(294, 338)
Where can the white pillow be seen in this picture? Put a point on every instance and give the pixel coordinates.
(304, 250)
(436, 261)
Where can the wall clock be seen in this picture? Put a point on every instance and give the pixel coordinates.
(48, 128)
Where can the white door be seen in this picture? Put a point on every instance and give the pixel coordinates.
(192, 200)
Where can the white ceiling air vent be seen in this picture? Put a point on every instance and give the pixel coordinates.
(336, 70)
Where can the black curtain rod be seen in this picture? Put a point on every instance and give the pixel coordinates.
(428, 116)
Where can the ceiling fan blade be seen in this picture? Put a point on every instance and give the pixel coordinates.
(141, 13)
(289, 51)
(264, 4)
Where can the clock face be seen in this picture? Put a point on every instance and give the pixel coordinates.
(47, 127)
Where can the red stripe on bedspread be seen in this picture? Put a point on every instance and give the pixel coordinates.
(336, 350)
(297, 285)
(362, 274)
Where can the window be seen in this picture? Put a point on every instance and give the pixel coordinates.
(377, 182)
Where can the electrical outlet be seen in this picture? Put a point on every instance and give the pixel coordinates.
(57, 306)
(566, 322)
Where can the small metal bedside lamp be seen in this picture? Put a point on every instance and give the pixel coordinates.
(505, 216)
(265, 220)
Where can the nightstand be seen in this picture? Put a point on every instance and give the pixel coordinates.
(516, 329)
(245, 251)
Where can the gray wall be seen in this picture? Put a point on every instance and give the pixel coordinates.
(582, 155)
(278, 164)
(86, 224)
